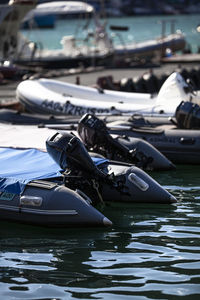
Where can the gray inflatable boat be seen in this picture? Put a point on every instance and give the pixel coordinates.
(181, 146)
(26, 198)
(178, 138)
(63, 191)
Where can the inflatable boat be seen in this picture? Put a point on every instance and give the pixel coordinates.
(12, 116)
(177, 138)
(181, 146)
(178, 145)
(29, 195)
(144, 155)
(46, 96)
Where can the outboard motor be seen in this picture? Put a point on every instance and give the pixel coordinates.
(79, 170)
(69, 153)
(94, 134)
(188, 115)
(109, 181)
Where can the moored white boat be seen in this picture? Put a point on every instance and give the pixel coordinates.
(20, 50)
(47, 96)
(94, 48)
(149, 48)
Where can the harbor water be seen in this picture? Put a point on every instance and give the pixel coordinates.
(152, 251)
(139, 29)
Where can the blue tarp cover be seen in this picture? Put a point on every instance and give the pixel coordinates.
(18, 167)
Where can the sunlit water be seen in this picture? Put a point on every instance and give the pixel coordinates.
(151, 252)
(140, 29)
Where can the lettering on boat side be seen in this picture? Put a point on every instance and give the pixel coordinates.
(7, 196)
(70, 109)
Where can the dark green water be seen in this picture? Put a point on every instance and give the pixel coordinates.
(151, 252)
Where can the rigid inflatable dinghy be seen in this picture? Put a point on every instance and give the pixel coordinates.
(181, 146)
(28, 194)
(47, 96)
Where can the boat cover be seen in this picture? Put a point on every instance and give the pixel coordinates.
(19, 167)
(24, 136)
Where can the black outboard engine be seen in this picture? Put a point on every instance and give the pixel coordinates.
(69, 153)
(94, 134)
(79, 170)
(188, 115)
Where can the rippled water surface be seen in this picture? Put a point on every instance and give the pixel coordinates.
(151, 252)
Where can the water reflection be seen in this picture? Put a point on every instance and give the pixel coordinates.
(151, 252)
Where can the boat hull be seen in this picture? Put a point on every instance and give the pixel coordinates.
(58, 98)
(64, 61)
(139, 186)
(181, 146)
(144, 151)
(47, 204)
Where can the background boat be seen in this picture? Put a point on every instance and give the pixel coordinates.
(90, 42)
(54, 97)
(46, 14)
(95, 36)
(21, 50)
